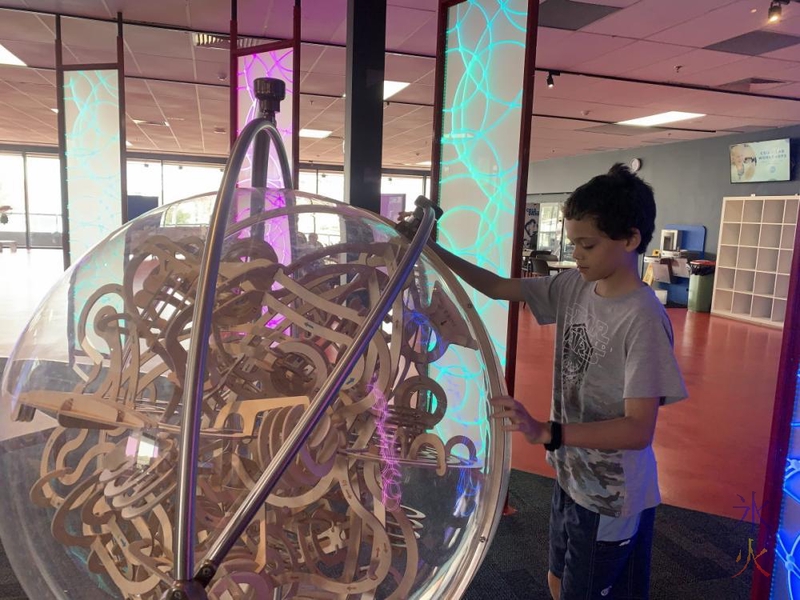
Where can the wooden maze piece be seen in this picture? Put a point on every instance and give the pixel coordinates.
(363, 527)
(130, 587)
(234, 574)
(404, 412)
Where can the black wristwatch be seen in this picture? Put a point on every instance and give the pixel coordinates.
(555, 437)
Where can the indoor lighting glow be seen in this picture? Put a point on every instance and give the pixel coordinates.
(550, 81)
(662, 118)
(390, 88)
(424, 163)
(314, 133)
(776, 10)
(55, 110)
(8, 58)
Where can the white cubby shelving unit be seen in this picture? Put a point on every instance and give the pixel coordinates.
(754, 258)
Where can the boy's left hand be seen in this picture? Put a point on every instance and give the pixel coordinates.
(510, 408)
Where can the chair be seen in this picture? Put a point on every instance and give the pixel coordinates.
(540, 267)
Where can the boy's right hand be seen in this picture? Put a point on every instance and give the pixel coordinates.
(520, 419)
(408, 222)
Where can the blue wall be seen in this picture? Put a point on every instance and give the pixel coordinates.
(689, 178)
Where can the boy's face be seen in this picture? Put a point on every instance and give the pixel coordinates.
(597, 255)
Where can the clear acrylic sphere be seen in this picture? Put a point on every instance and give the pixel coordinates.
(398, 490)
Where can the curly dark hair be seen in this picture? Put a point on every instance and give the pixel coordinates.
(619, 202)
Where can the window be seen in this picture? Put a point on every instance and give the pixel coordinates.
(44, 201)
(12, 194)
(401, 184)
(185, 181)
(308, 182)
(144, 179)
(331, 185)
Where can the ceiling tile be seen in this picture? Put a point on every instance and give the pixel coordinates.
(567, 14)
(755, 43)
(648, 17)
(725, 22)
(631, 57)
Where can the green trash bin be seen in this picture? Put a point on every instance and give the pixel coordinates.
(701, 285)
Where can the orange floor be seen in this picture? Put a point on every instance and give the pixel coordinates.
(711, 448)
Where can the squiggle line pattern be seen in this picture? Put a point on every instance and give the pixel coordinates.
(91, 101)
(276, 64)
(91, 111)
(480, 143)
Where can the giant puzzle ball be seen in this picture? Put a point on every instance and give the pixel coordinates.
(398, 490)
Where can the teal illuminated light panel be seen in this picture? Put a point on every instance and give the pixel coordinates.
(484, 66)
(94, 189)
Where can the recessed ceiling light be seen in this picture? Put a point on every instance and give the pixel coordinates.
(153, 123)
(9, 58)
(424, 163)
(390, 88)
(755, 10)
(662, 118)
(314, 133)
(55, 110)
(128, 143)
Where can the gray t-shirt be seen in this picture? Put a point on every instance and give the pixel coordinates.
(607, 350)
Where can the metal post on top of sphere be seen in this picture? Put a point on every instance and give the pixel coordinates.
(270, 93)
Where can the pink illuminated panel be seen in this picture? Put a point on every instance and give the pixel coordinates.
(276, 64)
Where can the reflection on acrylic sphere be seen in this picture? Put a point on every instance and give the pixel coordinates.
(397, 492)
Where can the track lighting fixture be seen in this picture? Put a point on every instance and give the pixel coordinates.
(551, 83)
(776, 10)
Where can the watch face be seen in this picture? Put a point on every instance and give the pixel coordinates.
(636, 164)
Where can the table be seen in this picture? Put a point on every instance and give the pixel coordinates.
(561, 266)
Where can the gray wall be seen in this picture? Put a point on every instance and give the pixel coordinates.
(689, 178)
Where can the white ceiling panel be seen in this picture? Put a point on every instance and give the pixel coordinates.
(751, 66)
(572, 49)
(631, 57)
(679, 69)
(648, 17)
(728, 21)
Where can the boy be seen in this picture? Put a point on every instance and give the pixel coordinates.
(614, 366)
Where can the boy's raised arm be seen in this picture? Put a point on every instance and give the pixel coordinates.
(486, 282)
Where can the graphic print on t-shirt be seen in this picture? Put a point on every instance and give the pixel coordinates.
(585, 342)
